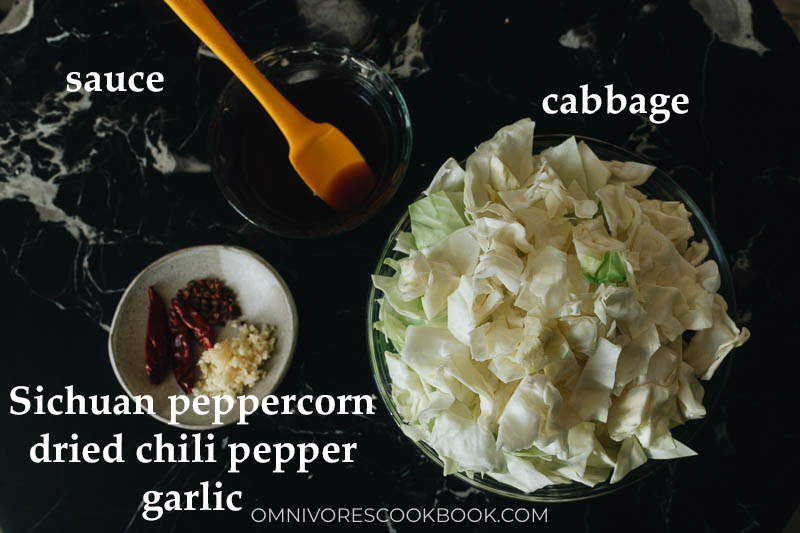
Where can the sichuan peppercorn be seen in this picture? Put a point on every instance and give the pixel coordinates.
(210, 297)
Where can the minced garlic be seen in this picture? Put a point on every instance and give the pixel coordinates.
(236, 363)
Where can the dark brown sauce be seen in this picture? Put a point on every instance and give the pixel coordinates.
(265, 164)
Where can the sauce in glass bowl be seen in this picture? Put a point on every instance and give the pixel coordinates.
(265, 153)
(249, 155)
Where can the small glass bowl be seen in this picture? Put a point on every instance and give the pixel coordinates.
(281, 66)
(659, 186)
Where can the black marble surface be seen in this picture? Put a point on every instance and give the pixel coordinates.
(95, 187)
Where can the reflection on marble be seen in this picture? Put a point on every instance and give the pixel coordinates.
(338, 22)
(95, 186)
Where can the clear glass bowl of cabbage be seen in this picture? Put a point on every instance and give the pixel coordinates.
(544, 471)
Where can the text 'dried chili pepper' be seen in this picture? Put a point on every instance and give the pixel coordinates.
(198, 325)
(183, 363)
(156, 349)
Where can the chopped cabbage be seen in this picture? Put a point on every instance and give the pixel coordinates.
(550, 323)
(611, 269)
(435, 217)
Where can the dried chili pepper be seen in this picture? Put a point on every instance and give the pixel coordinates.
(156, 348)
(198, 325)
(183, 363)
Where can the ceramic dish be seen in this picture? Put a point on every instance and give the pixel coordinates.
(659, 186)
(264, 299)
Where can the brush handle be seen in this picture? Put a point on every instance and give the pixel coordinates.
(196, 15)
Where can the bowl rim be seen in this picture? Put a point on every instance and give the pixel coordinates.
(163, 259)
(315, 48)
(723, 373)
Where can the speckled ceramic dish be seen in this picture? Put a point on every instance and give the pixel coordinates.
(262, 294)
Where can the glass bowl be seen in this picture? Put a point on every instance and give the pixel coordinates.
(659, 186)
(283, 67)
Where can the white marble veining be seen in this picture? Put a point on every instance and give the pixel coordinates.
(577, 38)
(408, 60)
(731, 21)
(164, 160)
(22, 179)
(57, 38)
(640, 140)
